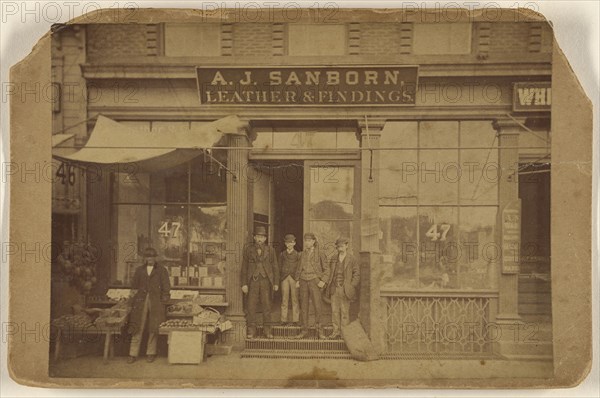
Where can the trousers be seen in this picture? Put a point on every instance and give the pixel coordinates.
(136, 339)
(259, 290)
(340, 309)
(289, 289)
(309, 291)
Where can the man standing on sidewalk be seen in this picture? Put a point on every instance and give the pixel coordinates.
(312, 275)
(343, 286)
(260, 277)
(151, 289)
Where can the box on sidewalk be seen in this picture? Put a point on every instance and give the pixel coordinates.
(186, 347)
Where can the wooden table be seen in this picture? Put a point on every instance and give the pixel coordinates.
(109, 331)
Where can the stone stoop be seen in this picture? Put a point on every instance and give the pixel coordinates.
(284, 346)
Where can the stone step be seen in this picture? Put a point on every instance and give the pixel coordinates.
(286, 354)
(295, 345)
(291, 331)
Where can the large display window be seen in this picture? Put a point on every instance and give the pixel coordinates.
(181, 212)
(438, 204)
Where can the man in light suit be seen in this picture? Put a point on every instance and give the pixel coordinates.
(343, 286)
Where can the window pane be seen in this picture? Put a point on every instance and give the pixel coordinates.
(331, 192)
(169, 229)
(328, 231)
(439, 177)
(438, 134)
(208, 183)
(207, 239)
(399, 135)
(398, 244)
(170, 186)
(480, 176)
(438, 247)
(131, 187)
(477, 134)
(477, 245)
(130, 228)
(398, 177)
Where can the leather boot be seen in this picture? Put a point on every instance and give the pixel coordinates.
(321, 333)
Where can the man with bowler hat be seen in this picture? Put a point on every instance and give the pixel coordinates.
(288, 261)
(312, 275)
(260, 277)
(151, 289)
(343, 285)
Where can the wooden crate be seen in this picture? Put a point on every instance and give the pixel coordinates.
(186, 347)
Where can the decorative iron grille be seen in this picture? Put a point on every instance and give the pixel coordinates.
(444, 325)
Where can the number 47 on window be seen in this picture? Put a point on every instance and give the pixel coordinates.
(433, 233)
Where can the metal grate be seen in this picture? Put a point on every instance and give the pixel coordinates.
(284, 354)
(437, 325)
(302, 345)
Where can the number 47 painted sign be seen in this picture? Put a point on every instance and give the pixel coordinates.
(171, 231)
(433, 233)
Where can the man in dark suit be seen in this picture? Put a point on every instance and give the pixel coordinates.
(260, 276)
(342, 286)
(151, 289)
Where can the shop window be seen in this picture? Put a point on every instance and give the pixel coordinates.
(185, 40)
(181, 212)
(442, 38)
(331, 203)
(317, 39)
(438, 204)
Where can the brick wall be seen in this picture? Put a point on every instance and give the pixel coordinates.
(253, 39)
(128, 40)
(509, 37)
(379, 38)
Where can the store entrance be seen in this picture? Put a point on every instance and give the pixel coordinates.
(288, 186)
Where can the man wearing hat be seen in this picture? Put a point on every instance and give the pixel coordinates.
(288, 261)
(151, 289)
(342, 286)
(312, 275)
(260, 277)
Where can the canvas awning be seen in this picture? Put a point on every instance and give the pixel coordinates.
(114, 144)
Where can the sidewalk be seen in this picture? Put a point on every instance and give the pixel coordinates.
(278, 371)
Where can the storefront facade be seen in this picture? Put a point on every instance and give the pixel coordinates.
(412, 139)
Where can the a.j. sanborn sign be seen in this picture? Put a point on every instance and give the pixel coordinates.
(381, 85)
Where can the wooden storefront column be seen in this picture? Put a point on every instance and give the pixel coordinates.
(508, 196)
(371, 307)
(237, 234)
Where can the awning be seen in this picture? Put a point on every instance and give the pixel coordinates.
(115, 144)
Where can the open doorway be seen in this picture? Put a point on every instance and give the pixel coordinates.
(285, 192)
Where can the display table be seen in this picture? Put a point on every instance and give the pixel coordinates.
(109, 331)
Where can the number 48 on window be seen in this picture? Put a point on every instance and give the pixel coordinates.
(438, 232)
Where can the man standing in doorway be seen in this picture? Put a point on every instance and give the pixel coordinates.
(311, 276)
(260, 276)
(342, 286)
(151, 289)
(289, 260)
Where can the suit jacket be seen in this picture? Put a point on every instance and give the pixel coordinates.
(319, 263)
(251, 260)
(351, 276)
(157, 285)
